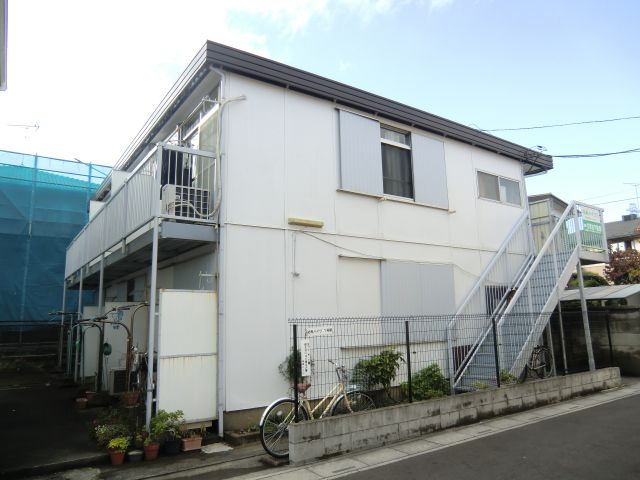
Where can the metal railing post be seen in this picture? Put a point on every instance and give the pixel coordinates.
(495, 349)
(408, 349)
(296, 372)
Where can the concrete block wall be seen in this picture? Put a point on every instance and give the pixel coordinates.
(336, 435)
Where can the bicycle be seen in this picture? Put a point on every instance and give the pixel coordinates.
(341, 399)
(539, 363)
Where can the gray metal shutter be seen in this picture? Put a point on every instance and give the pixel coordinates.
(429, 171)
(360, 154)
(410, 288)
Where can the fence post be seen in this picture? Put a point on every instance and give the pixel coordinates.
(495, 349)
(296, 372)
(611, 359)
(406, 334)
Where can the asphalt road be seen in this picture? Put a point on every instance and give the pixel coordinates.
(602, 442)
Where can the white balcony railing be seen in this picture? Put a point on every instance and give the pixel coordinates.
(172, 182)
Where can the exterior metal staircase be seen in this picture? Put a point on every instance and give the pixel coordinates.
(512, 306)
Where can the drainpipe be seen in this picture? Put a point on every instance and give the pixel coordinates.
(217, 209)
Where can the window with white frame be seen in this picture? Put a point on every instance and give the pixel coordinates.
(397, 172)
(500, 189)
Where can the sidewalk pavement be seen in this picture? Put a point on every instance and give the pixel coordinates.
(245, 463)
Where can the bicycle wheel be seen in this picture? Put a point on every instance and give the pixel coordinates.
(541, 362)
(274, 429)
(353, 402)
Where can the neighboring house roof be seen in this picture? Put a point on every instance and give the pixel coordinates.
(545, 196)
(602, 293)
(230, 59)
(623, 229)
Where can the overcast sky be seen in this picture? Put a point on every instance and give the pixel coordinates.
(89, 73)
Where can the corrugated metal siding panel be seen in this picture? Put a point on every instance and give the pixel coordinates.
(360, 154)
(429, 171)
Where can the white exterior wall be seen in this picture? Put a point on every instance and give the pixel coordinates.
(280, 160)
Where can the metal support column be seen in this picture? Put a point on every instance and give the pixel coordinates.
(76, 342)
(101, 338)
(62, 318)
(562, 341)
(585, 319)
(152, 323)
(152, 294)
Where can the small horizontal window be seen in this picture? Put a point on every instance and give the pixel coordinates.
(394, 136)
(499, 189)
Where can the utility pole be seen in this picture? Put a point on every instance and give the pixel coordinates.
(636, 185)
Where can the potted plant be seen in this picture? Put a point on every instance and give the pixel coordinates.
(151, 448)
(130, 398)
(117, 449)
(165, 426)
(191, 440)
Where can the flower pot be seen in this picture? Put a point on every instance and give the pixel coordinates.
(171, 447)
(90, 394)
(117, 457)
(130, 398)
(191, 443)
(81, 403)
(151, 451)
(135, 455)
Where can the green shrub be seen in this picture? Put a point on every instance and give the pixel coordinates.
(427, 383)
(118, 444)
(506, 377)
(377, 370)
(167, 425)
(286, 368)
(105, 433)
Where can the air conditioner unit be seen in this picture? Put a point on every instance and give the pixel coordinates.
(181, 201)
(117, 381)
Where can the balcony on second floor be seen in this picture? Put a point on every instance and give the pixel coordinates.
(174, 185)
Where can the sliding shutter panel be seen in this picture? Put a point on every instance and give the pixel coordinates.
(360, 154)
(429, 171)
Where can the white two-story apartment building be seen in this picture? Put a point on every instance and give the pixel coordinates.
(257, 192)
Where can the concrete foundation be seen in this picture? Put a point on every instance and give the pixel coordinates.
(336, 435)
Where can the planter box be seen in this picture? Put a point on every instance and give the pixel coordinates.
(191, 443)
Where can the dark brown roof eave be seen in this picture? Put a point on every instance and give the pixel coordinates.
(250, 65)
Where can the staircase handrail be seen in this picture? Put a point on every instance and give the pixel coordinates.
(547, 245)
(487, 269)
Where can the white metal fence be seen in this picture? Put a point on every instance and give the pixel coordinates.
(172, 182)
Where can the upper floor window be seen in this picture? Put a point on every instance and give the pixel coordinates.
(500, 189)
(380, 160)
(397, 173)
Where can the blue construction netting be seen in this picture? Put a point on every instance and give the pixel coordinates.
(43, 205)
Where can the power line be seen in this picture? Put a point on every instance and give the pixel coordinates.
(615, 201)
(589, 155)
(634, 117)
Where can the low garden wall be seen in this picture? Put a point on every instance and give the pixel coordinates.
(336, 435)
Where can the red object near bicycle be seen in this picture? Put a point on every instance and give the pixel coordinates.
(303, 387)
